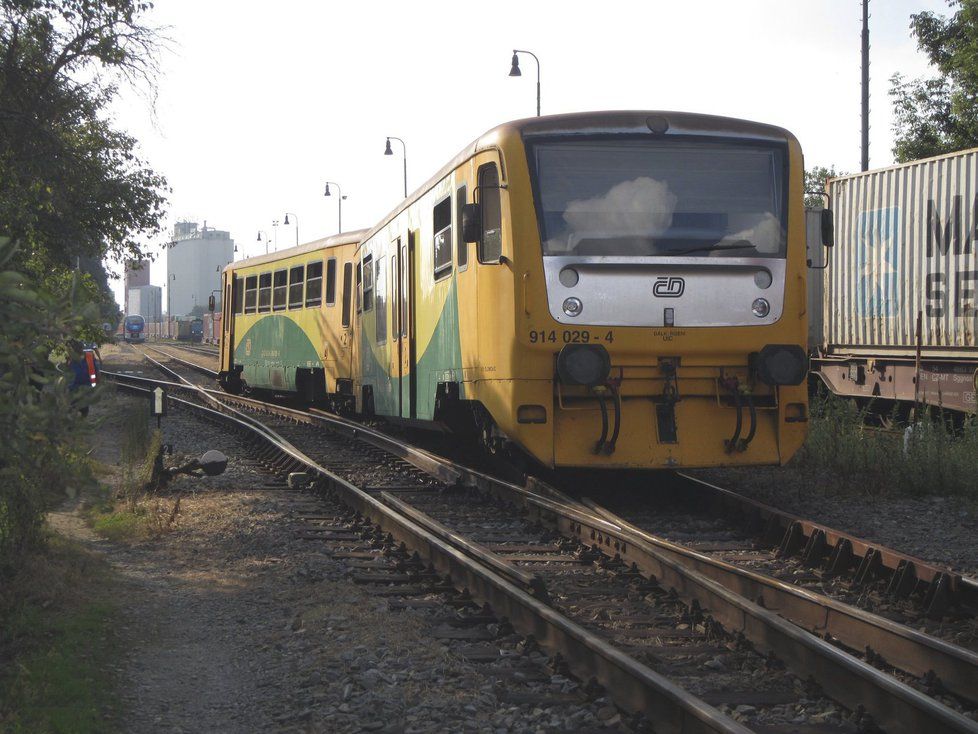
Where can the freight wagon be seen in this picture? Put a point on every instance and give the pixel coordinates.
(900, 305)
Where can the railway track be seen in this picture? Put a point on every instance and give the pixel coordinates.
(583, 548)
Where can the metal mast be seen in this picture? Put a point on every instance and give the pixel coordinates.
(865, 89)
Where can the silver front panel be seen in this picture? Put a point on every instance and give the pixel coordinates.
(637, 291)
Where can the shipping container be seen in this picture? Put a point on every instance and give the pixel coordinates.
(899, 314)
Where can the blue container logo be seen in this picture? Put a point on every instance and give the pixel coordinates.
(878, 293)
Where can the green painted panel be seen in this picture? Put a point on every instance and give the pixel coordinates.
(272, 349)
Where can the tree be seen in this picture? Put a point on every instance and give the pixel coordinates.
(815, 179)
(939, 115)
(71, 185)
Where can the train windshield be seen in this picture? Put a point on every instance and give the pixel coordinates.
(668, 197)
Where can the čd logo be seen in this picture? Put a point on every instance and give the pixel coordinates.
(668, 287)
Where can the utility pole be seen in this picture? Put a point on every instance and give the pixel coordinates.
(865, 89)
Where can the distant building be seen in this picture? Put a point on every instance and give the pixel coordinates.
(145, 300)
(194, 261)
(137, 274)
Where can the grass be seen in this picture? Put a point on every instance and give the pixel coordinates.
(56, 643)
(937, 455)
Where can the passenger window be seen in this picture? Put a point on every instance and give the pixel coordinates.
(331, 281)
(347, 292)
(381, 298)
(461, 249)
(314, 284)
(296, 280)
(491, 247)
(264, 292)
(368, 283)
(238, 291)
(442, 216)
(251, 294)
(280, 287)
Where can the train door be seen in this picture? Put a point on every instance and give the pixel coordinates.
(345, 358)
(404, 331)
(228, 307)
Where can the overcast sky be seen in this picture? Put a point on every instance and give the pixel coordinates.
(259, 104)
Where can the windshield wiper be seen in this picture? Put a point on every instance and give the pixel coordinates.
(738, 245)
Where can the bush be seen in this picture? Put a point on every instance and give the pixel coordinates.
(41, 455)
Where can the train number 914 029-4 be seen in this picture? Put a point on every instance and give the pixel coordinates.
(569, 336)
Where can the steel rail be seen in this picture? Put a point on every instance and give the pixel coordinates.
(635, 686)
(711, 581)
(187, 363)
(843, 549)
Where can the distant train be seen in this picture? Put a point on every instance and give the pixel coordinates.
(609, 290)
(133, 328)
(190, 330)
(895, 310)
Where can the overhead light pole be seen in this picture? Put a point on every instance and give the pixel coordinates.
(296, 218)
(515, 71)
(258, 239)
(275, 234)
(339, 200)
(388, 151)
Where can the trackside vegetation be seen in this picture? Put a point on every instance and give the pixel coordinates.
(848, 450)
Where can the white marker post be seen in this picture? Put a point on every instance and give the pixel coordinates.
(158, 403)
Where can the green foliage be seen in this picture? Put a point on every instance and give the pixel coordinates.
(844, 449)
(41, 457)
(71, 185)
(815, 179)
(939, 115)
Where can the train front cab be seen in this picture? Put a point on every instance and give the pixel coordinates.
(687, 372)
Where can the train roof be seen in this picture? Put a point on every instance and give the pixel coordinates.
(343, 238)
(590, 123)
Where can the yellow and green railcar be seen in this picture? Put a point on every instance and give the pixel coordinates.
(289, 327)
(608, 290)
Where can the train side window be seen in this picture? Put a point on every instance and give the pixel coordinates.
(331, 281)
(280, 290)
(347, 292)
(442, 243)
(368, 283)
(251, 294)
(264, 292)
(238, 291)
(297, 276)
(314, 284)
(491, 246)
(461, 249)
(381, 298)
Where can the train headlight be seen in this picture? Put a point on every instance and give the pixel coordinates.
(760, 307)
(782, 364)
(573, 306)
(583, 364)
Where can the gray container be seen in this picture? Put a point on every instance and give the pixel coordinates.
(906, 243)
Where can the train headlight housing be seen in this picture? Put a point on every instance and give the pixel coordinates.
(583, 364)
(782, 364)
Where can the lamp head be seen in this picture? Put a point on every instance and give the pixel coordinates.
(515, 70)
(326, 192)
(387, 150)
(286, 218)
(258, 238)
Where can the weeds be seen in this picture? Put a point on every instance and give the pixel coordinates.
(929, 456)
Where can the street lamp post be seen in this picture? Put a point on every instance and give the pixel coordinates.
(258, 239)
(340, 199)
(296, 218)
(388, 151)
(515, 71)
(169, 302)
(275, 233)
